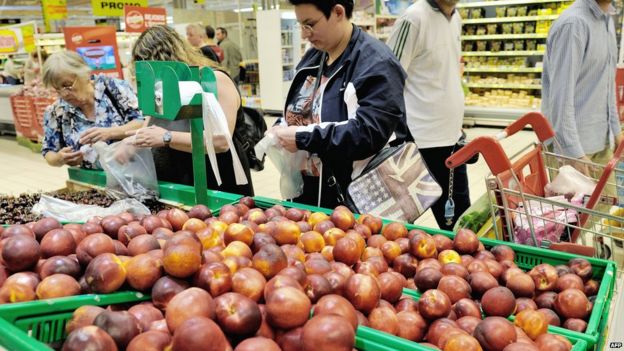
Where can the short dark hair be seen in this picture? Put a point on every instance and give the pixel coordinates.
(326, 6)
(223, 30)
(210, 32)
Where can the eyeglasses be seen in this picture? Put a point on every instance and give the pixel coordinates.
(68, 88)
(309, 28)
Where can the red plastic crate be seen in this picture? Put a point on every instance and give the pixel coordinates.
(40, 104)
(23, 116)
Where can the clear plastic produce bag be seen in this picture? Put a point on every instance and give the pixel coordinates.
(66, 211)
(286, 162)
(133, 176)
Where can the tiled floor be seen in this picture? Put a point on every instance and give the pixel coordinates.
(24, 171)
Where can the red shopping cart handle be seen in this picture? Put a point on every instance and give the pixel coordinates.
(536, 120)
(571, 248)
(489, 147)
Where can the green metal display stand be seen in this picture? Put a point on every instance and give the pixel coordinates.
(170, 74)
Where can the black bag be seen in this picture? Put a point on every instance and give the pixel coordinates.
(249, 130)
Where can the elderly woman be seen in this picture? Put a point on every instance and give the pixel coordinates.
(171, 140)
(89, 109)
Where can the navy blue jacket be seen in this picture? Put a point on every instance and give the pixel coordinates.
(372, 80)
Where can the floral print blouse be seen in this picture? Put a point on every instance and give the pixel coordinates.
(64, 123)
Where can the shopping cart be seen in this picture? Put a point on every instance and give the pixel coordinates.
(589, 225)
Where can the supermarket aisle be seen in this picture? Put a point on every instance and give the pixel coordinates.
(24, 171)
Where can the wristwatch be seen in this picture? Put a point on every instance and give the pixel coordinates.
(167, 138)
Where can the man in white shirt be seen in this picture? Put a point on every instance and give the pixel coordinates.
(426, 40)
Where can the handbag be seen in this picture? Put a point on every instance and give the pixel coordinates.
(396, 184)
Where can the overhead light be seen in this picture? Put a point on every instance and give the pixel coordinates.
(247, 9)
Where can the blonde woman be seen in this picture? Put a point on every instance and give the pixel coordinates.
(89, 109)
(171, 140)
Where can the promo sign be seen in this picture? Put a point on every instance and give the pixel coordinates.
(138, 19)
(97, 46)
(17, 38)
(114, 8)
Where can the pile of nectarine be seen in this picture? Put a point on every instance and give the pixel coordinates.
(289, 279)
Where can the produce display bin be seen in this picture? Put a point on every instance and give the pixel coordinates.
(528, 257)
(33, 326)
(169, 192)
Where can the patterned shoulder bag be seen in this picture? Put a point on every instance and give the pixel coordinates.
(396, 184)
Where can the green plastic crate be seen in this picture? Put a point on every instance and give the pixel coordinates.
(527, 257)
(31, 326)
(398, 343)
(177, 193)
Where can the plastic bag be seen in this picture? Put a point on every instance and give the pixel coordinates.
(134, 177)
(67, 211)
(548, 221)
(287, 163)
(569, 181)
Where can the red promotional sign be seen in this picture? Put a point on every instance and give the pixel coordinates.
(97, 46)
(138, 19)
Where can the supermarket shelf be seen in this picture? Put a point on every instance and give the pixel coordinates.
(505, 86)
(503, 53)
(287, 46)
(504, 69)
(493, 116)
(510, 19)
(505, 3)
(386, 16)
(505, 36)
(383, 36)
(364, 24)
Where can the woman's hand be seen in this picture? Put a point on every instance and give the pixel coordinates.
(148, 137)
(68, 156)
(125, 151)
(286, 137)
(93, 135)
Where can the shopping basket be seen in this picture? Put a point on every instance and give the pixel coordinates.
(590, 227)
(23, 112)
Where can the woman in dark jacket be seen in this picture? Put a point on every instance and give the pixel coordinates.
(171, 140)
(351, 112)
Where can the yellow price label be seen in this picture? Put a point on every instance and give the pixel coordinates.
(8, 41)
(28, 37)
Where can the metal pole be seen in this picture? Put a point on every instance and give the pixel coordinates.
(240, 25)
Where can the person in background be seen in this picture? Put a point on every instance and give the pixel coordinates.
(171, 140)
(32, 69)
(232, 56)
(351, 112)
(210, 34)
(13, 71)
(579, 82)
(89, 109)
(196, 36)
(426, 40)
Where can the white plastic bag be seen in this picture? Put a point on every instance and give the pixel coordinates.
(287, 163)
(66, 211)
(136, 177)
(569, 181)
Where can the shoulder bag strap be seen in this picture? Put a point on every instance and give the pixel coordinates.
(114, 101)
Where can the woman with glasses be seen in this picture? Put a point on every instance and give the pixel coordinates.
(89, 109)
(345, 102)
